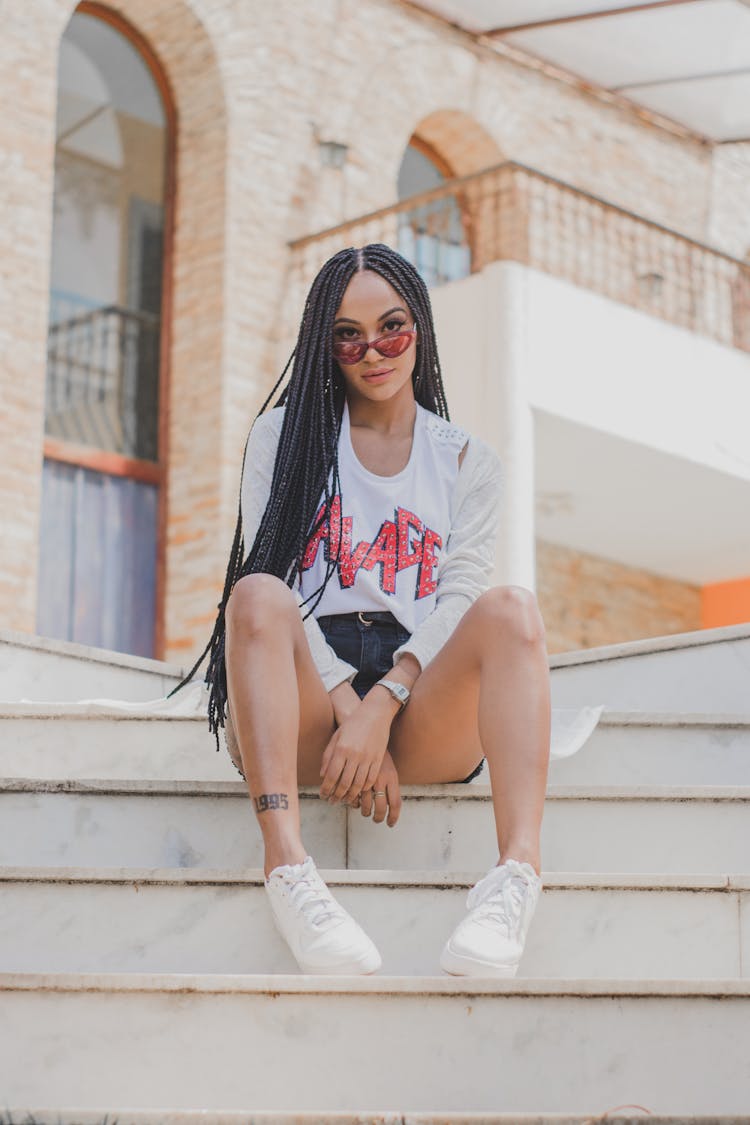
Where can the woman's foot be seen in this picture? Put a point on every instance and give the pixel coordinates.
(323, 937)
(489, 942)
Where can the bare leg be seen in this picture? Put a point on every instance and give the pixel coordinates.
(486, 692)
(281, 712)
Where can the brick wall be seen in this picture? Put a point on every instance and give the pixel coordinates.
(588, 601)
(729, 218)
(253, 86)
(27, 84)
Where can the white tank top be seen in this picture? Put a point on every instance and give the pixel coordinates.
(392, 529)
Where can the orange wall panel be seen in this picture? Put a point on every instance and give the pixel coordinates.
(725, 603)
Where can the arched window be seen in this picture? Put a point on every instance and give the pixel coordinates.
(432, 235)
(101, 519)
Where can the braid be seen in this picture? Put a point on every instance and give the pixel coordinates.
(306, 463)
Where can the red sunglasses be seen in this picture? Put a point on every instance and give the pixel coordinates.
(391, 345)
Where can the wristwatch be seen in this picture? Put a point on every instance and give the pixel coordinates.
(397, 690)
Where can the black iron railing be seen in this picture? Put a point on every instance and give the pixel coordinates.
(103, 380)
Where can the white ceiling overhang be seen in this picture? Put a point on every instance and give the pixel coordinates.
(687, 61)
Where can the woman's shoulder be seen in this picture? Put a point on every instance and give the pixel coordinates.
(265, 432)
(483, 455)
(481, 476)
(270, 421)
(480, 458)
(442, 431)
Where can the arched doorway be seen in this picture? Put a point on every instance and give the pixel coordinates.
(102, 519)
(431, 234)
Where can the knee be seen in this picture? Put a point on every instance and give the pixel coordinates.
(258, 602)
(513, 611)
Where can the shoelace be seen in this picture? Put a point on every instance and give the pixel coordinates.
(312, 898)
(501, 894)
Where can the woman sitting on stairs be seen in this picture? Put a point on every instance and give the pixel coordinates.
(359, 495)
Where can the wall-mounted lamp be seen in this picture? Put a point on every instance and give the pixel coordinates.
(332, 154)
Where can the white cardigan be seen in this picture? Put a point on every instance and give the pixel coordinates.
(464, 566)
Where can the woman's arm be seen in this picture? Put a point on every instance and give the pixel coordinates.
(463, 571)
(354, 755)
(260, 455)
(466, 565)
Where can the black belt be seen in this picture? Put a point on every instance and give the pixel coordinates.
(364, 617)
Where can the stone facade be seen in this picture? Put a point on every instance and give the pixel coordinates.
(254, 88)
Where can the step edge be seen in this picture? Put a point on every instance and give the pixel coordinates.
(668, 642)
(168, 1116)
(136, 712)
(437, 792)
(60, 709)
(618, 650)
(277, 984)
(89, 653)
(373, 879)
(674, 719)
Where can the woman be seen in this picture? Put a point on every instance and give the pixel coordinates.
(359, 495)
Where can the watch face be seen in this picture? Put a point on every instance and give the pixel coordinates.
(398, 690)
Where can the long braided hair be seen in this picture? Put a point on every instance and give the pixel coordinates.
(306, 463)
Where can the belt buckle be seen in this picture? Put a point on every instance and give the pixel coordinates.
(363, 619)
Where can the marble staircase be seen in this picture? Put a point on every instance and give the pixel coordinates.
(141, 978)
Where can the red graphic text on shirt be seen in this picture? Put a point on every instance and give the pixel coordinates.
(400, 543)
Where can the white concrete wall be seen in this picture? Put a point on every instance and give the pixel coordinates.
(524, 353)
(593, 361)
(486, 382)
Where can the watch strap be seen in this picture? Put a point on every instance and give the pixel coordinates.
(399, 691)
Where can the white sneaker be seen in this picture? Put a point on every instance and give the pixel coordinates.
(323, 937)
(490, 940)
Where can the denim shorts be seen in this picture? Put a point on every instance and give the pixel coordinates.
(368, 641)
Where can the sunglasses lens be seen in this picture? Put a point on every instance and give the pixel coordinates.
(346, 352)
(352, 351)
(394, 345)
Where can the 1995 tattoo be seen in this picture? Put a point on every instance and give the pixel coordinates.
(271, 801)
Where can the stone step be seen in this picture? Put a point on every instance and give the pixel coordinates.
(706, 670)
(670, 829)
(702, 670)
(382, 1044)
(46, 741)
(643, 748)
(33, 667)
(183, 921)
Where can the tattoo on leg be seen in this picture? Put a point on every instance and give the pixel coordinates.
(271, 801)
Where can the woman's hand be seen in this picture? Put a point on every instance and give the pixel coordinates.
(354, 755)
(386, 783)
(344, 700)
